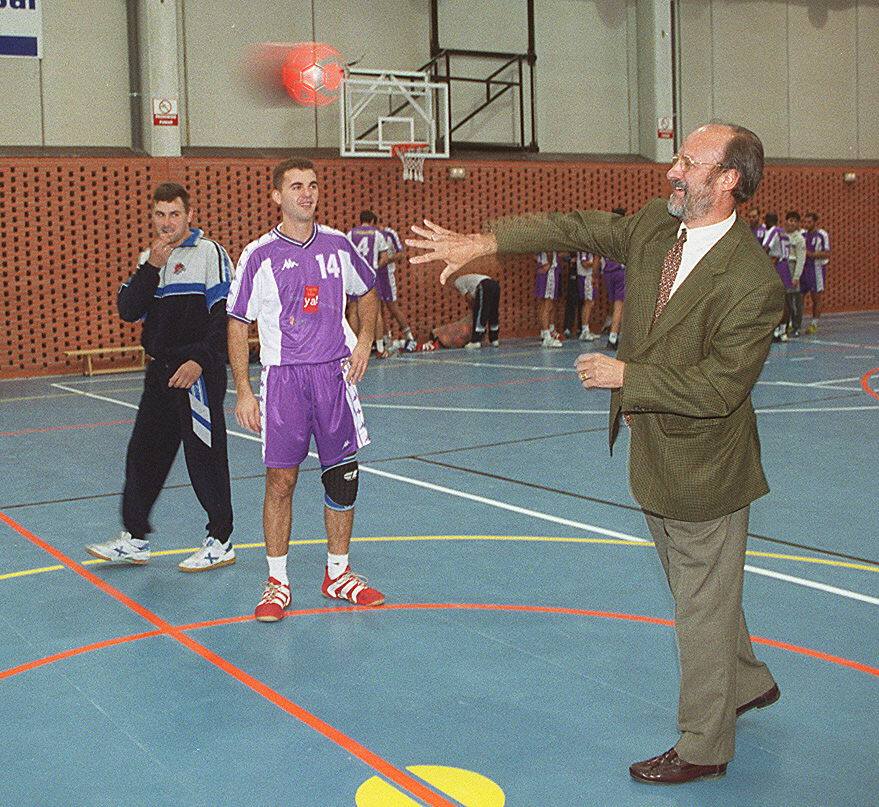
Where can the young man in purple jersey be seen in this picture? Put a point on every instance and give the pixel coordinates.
(294, 282)
(370, 242)
(817, 256)
(586, 264)
(546, 290)
(777, 245)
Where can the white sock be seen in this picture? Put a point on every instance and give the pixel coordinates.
(584, 329)
(278, 568)
(612, 337)
(544, 334)
(380, 345)
(336, 564)
(408, 335)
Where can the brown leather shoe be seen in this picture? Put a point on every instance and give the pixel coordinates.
(761, 701)
(670, 769)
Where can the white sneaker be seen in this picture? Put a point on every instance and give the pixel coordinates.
(495, 343)
(410, 346)
(473, 346)
(550, 341)
(120, 549)
(587, 336)
(212, 555)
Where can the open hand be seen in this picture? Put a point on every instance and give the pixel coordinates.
(453, 249)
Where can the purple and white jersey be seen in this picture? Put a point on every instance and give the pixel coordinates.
(817, 240)
(777, 244)
(369, 242)
(394, 244)
(296, 292)
(584, 264)
(759, 233)
(550, 258)
(608, 266)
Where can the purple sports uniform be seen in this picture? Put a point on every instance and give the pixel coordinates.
(584, 275)
(296, 292)
(370, 243)
(759, 232)
(814, 278)
(614, 275)
(546, 284)
(777, 244)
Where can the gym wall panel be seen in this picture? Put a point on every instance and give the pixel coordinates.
(64, 255)
(383, 34)
(20, 104)
(750, 70)
(696, 99)
(498, 25)
(822, 72)
(81, 83)
(583, 94)
(223, 109)
(867, 49)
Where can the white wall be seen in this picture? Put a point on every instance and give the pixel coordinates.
(78, 93)
(801, 74)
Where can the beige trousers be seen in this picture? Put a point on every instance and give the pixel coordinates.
(704, 563)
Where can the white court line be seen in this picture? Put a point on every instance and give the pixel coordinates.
(802, 358)
(487, 411)
(785, 410)
(836, 380)
(842, 344)
(865, 356)
(408, 480)
(505, 366)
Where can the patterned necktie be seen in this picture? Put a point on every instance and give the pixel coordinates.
(670, 267)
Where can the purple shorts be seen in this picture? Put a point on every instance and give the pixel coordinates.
(546, 284)
(813, 279)
(301, 400)
(783, 269)
(385, 285)
(615, 283)
(584, 287)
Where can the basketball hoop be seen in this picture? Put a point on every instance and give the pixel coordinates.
(412, 155)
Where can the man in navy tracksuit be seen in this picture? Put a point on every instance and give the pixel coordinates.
(179, 293)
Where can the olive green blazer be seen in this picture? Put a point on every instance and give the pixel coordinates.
(695, 451)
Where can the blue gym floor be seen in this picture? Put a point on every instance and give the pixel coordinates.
(525, 656)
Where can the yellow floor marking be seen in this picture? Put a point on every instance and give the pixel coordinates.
(467, 787)
(516, 538)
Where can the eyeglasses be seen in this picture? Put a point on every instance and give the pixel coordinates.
(688, 162)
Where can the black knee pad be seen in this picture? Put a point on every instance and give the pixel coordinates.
(340, 484)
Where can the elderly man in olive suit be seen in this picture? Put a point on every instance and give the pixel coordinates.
(701, 303)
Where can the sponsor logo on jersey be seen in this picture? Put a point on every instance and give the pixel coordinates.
(309, 302)
(178, 268)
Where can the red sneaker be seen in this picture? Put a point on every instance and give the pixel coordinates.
(351, 587)
(274, 600)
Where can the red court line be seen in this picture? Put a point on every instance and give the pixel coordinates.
(865, 383)
(445, 606)
(463, 387)
(377, 763)
(22, 432)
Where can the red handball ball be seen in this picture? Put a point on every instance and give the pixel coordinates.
(312, 73)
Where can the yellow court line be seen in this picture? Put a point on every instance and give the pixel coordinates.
(520, 538)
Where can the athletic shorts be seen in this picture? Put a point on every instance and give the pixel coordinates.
(386, 285)
(783, 269)
(615, 282)
(546, 284)
(584, 287)
(301, 400)
(813, 279)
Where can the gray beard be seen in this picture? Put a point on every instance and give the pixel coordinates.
(691, 207)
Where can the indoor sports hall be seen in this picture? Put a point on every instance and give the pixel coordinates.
(526, 652)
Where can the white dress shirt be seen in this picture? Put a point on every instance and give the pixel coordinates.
(699, 241)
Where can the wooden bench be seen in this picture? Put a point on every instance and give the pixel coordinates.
(88, 354)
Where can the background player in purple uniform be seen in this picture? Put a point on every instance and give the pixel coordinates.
(546, 290)
(388, 295)
(817, 255)
(796, 262)
(586, 265)
(777, 245)
(369, 241)
(614, 275)
(294, 282)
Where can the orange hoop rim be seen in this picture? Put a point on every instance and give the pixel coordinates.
(401, 149)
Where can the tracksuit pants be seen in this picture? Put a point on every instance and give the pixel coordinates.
(485, 310)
